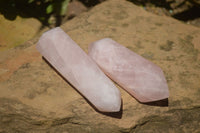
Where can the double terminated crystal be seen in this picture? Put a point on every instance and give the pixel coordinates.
(79, 69)
(138, 76)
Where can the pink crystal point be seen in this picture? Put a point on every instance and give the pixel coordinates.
(79, 69)
(138, 76)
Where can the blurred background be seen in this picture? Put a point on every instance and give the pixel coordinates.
(21, 20)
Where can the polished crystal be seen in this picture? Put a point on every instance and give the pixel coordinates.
(141, 78)
(79, 69)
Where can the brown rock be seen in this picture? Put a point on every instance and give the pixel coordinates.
(15, 32)
(34, 98)
(75, 8)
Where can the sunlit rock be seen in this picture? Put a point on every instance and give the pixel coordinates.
(79, 69)
(138, 76)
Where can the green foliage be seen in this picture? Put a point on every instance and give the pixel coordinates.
(43, 10)
(64, 7)
(49, 9)
(57, 6)
(30, 1)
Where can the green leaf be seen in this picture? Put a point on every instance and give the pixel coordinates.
(49, 9)
(64, 7)
(30, 1)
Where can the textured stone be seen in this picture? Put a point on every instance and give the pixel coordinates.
(79, 69)
(14, 32)
(141, 78)
(34, 98)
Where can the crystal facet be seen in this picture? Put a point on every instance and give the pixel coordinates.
(79, 69)
(141, 78)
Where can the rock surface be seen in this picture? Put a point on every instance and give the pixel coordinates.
(34, 98)
(13, 33)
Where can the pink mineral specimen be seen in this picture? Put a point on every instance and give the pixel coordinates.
(138, 76)
(79, 69)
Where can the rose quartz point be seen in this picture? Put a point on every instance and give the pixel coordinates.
(79, 69)
(141, 78)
